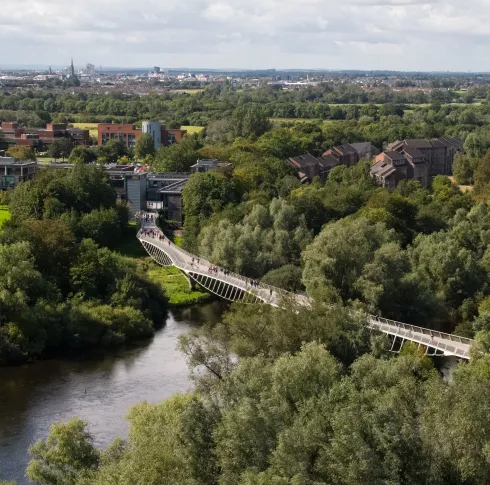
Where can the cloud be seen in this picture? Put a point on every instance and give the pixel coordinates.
(348, 34)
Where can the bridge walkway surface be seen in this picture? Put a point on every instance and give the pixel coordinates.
(233, 287)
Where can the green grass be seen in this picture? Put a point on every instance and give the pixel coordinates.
(176, 286)
(178, 240)
(4, 214)
(192, 129)
(289, 120)
(44, 159)
(171, 279)
(92, 127)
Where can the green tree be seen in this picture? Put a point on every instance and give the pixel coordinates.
(60, 148)
(101, 225)
(145, 146)
(177, 157)
(287, 277)
(112, 151)
(82, 154)
(330, 261)
(249, 121)
(65, 457)
(22, 153)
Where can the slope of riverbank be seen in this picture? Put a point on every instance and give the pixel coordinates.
(176, 286)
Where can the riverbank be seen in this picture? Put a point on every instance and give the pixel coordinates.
(175, 284)
(177, 287)
(100, 388)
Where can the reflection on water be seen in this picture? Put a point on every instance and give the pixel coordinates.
(99, 389)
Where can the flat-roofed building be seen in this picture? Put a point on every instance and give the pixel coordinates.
(14, 171)
(40, 138)
(128, 134)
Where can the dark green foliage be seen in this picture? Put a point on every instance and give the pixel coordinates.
(287, 277)
(82, 154)
(61, 290)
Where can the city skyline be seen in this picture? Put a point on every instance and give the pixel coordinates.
(313, 34)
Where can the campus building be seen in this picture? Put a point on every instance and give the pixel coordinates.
(161, 192)
(309, 167)
(40, 138)
(129, 134)
(415, 159)
(13, 171)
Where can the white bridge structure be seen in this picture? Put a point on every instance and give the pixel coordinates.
(233, 287)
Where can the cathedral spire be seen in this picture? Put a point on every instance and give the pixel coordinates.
(72, 68)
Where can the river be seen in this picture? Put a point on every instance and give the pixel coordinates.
(99, 389)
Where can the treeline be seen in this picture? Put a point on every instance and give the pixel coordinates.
(313, 399)
(62, 289)
(326, 101)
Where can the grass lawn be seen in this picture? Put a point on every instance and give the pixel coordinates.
(178, 241)
(171, 279)
(92, 127)
(192, 129)
(4, 214)
(290, 120)
(176, 286)
(44, 159)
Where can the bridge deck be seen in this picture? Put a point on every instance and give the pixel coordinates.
(200, 266)
(447, 343)
(165, 252)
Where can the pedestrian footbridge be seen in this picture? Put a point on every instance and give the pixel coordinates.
(233, 287)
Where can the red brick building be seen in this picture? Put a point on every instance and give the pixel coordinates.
(129, 134)
(40, 137)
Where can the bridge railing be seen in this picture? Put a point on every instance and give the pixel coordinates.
(247, 281)
(421, 330)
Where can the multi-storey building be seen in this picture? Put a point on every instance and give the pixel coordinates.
(309, 167)
(439, 153)
(392, 167)
(39, 138)
(415, 160)
(129, 134)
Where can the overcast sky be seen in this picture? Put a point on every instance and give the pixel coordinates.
(330, 34)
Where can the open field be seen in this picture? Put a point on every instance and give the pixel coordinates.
(192, 129)
(4, 214)
(92, 127)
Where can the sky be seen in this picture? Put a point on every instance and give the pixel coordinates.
(406, 35)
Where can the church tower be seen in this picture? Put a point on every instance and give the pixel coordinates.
(72, 69)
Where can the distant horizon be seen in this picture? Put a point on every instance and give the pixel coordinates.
(45, 67)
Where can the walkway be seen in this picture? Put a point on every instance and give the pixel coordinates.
(233, 287)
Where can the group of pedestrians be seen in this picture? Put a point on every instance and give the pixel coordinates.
(213, 270)
(152, 233)
(254, 283)
(196, 260)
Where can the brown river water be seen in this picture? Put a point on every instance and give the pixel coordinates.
(99, 389)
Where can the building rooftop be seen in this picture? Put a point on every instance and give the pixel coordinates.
(7, 161)
(392, 155)
(306, 160)
(418, 143)
(328, 161)
(413, 152)
(344, 149)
